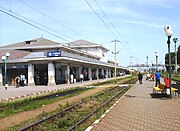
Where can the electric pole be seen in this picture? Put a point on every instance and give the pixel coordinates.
(115, 58)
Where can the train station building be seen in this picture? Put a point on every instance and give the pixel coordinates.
(45, 62)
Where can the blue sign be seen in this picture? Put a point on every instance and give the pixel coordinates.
(54, 54)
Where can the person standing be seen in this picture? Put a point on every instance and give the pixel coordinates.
(140, 77)
(81, 77)
(17, 79)
(71, 78)
(158, 77)
(23, 80)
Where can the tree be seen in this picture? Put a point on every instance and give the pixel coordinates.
(172, 58)
(178, 55)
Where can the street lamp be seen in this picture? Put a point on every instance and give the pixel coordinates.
(115, 58)
(175, 40)
(4, 59)
(147, 63)
(156, 54)
(169, 33)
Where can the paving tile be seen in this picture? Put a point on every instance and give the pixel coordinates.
(142, 112)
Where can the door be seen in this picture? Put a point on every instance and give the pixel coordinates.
(41, 74)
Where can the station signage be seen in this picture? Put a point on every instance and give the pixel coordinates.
(54, 54)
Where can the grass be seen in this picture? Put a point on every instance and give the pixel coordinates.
(70, 118)
(28, 104)
(31, 106)
(174, 77)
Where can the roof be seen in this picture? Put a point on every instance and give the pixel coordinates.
(20, 51)
(85, 44)
(31, 43)
(15, 55)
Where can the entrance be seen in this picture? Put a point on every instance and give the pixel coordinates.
(41, 74)
(13, 71)
(60, 74)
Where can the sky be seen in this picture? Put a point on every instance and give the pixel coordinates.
(138, 25)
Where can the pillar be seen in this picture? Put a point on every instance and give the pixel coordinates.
(1, 77)
(51, 74)
(97, 73)
(90, 73)
(107, 73)
(31, 75)
(68, 74)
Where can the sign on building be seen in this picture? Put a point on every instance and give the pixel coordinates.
(54, 54)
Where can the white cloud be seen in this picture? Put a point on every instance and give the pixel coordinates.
(142, 23)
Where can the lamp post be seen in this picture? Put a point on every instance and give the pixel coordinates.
(169, 33)
(147, 63)
(156, 54)
(115, 58)
(175, 40)
(4, 59)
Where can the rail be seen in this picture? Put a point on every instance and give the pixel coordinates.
(33, 125)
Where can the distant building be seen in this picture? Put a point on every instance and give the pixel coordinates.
(45, 62)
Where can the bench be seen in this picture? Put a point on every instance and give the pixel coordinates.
(175, 88)
(159, 89)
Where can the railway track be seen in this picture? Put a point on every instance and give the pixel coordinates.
(46, 97)
(110, 94)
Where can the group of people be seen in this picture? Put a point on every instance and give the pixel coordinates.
(157, 76)
(20, 80)
(73, 79)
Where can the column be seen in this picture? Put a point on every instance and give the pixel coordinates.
(80, 71)
(97, 73)
(1, 77)
(51, 74)
(31, 75)
(107, 73)
(68, 74)
(90, 73)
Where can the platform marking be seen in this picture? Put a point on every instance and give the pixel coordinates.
(97, 121)
(89, 128)
(103, 115)
(107, 111)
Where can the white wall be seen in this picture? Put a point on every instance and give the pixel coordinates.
(98, 52)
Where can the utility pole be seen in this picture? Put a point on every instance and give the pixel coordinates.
(175, 40)
(115, 58)
(156, 54)
(130, 59)
(147, 63)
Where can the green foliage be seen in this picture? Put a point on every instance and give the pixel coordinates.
(67, 119)
(28, 104)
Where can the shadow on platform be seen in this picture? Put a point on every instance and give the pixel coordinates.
(162, 96)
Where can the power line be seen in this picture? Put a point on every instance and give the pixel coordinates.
(100, 18)
(50, 17)
(109, 19)
(35, 22)
(32, 25)
(126, 43)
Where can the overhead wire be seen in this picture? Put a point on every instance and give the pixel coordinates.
(35, 22)
(101, 19)
(50, 18)
(32, 24)
(109, 19)
(126, 43)
(59, 22)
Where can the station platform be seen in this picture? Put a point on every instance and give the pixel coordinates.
(138, 111)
